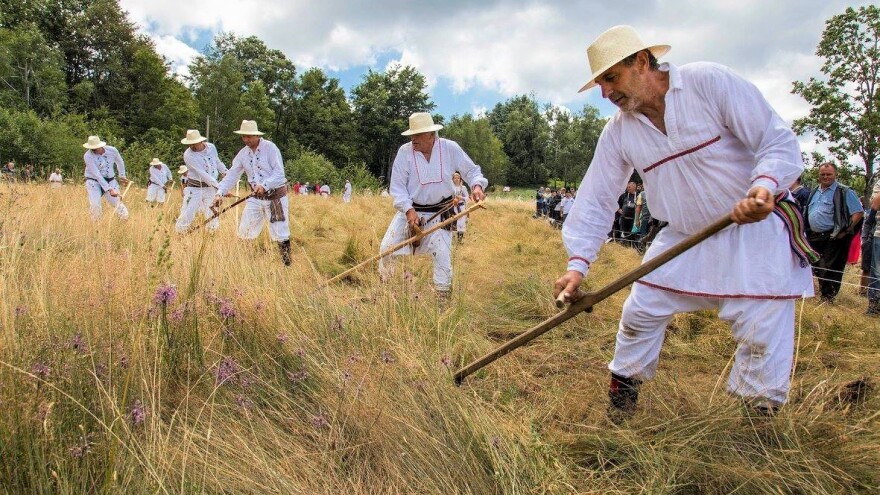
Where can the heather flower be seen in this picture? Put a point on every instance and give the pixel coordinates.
(137, 413)
(78, 344)
(227, 371)
(320, 421)
(387, 357)
(165, 294)
(226, 310)
(297, 376)
(41, 370)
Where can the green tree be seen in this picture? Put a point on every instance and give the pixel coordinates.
(323, 118)
(846, 107)
(31, 75)
(485, 149)
(573, 139)
(218, 87)
(525, 134)
(382, 104)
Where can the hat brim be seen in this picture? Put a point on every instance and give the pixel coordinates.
(248, 133)
(657, 50)
(182, 170)
(420, 130)
(100, 144)
(194, 141)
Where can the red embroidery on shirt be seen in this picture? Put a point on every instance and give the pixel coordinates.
(685, 152)
(717, 296)
(579, 258)
(766, 177)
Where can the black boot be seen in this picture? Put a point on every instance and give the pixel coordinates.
(284, 246)
(460, 236)
(623, 395)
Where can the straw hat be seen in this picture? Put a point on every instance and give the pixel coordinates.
(93, 143)
(155, 161)
(192, 137)
(614, 45)
(420, 122)
(249, 128)
(182, 170)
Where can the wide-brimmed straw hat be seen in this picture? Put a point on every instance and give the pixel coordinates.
(614, 45)
(193, 136)
(182, 170)
(420, 122)
(155, 161)
(93, 143)
(249, 128)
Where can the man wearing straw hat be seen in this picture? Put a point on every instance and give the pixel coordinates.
(262, 162)
(184, 173)
(160, 176)
(100, 178)
(203, 167)
(709, 141)
(421, 186)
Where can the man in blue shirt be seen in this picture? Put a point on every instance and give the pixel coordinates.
(832, 218)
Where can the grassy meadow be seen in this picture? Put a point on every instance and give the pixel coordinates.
(134, 360)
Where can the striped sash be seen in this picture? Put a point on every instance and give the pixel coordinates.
(787, 211)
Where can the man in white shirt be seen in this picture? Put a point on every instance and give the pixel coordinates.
(421, 185)
(55, 179)
(100, 179)
(325, 190)
(262, 162)
(712, 144)
(203, 168)
(346, 192)
(160, 176)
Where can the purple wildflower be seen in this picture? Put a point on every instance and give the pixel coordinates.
(337, 323)
(346, 375)
(82, 448)
(165, 294)
(177, 315)
(300, 353)
(20, 311)
(496, 442)
(137, 413)
(212, 298)
(354, 358)
(445, 361)
(282, 338)
(320, 421)
(78, 344)
(123, 361)
(244, 401)
(226, 310)
(101, 370)
(227, 371)
(386, 357)
(41, 370)
(297, 376)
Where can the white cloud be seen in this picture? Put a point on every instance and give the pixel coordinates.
(514, 46)
(178, 53)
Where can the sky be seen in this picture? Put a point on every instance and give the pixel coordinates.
(479, 53)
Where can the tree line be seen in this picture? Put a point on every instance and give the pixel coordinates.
(71, 68)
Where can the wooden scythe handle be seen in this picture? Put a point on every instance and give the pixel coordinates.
(587, 302)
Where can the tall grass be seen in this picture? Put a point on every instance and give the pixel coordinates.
(134, 360)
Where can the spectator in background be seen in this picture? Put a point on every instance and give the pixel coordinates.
(317, 188)
(346, 192)
(801, 194)
(833, 215)
(28, 172)
(9, 171)
(55, 179)
(626, 208)
(565, 205)
(304, 190)
(868, 227)
(325, 190)
(296, 187)
(874, 290)
(539, 202)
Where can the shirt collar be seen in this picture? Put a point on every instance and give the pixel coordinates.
(675, 81)
(832, 187)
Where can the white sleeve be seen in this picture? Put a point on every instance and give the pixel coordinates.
(197, 170)
(587, 224)
(399, 179)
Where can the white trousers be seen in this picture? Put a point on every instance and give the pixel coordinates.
(762, 328)
(155, 193)
(346, 197)
(437, 244)
(461, 223)
(95, 195)
(256, 213)
(196, 199)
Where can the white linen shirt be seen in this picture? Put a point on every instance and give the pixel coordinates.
(264, 167)
(100, 166)
(55, 177)
(722, 139)
(160, 176)
(204, 166)
(415, 180)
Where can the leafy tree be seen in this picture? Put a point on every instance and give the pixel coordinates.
(31, 75)
(382, 103)
(485, 149)
(573, 139)
(323, 118)
(846, 107)
(218, 87)
(525, 135)
(312, 167)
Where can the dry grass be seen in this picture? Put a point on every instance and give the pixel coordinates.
(348, 389)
